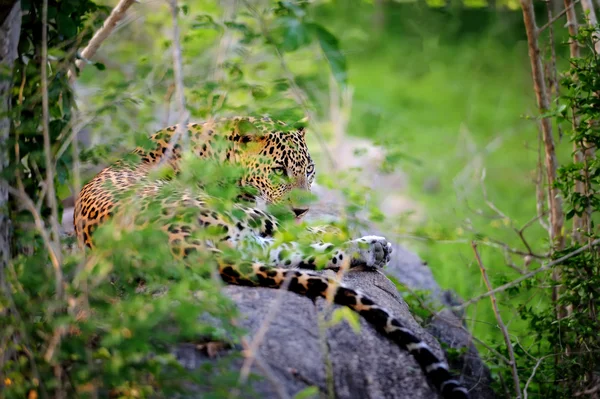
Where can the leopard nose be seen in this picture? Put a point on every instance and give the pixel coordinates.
(299, 212)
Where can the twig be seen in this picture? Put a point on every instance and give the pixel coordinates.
(183, 118)
(539, 192)
(440, 316)
(300, 97)
(589, 391)
(101, 34)
(252, 350)
(51, 193)
(528, 275)
(39, 224)
(568, 8)
(269, 375)
(501, 324)
(537, 364)
(329, 378)
(543, 102)
(584, 152)
(520, 232)
(572, 26)
(553, 78)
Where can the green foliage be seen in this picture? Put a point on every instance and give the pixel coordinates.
(69, 25)
(128, 304)
(563, 361)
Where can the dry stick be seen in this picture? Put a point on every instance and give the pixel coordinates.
(299, 95)
(511, 354)
(539, 192)
(537, 364)
(460, 326)
(252, 350)
(101, 34)
(573, 26)
(39, 225)
(51, 193)
(178, 73)
(183, 118)
(582, 152)
(543, 102)
(528, 275)
(558, 16)
(586, 152)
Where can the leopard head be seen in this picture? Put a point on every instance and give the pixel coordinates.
(277, 161)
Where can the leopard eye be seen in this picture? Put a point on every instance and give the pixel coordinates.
(310, 169)
(279, 171)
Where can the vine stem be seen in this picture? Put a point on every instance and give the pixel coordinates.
(50, 190)
(183, 117)
(511, 353)
(527, 276)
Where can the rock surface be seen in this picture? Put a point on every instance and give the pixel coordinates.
(364, 364)
(295, 351)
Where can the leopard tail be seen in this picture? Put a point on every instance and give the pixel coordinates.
(313, 285)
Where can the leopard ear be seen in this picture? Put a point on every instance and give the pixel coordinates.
(246, 131)
(301, 125)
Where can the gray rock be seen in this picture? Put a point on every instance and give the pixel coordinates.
(293, 355)
(364, 364)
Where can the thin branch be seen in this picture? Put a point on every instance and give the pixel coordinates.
(101, 34)
(39, 224)
(178, 73)
(528, 275)
(568, 9)
(252, 351)
(450, 322)
(584, 152)
(553, 78)
(539, 192)
(589, 391)
(572, 26)
(299, 95)
(270, 376)
(539, 362)
(543, 102)
(183, 118)
(501, 324)
(51, 192)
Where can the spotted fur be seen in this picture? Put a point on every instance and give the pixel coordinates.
(275, 160)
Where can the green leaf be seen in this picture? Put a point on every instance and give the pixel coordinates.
(308, 392)
(346, 314)
(66, 26)
(293, 34)
(331, 48)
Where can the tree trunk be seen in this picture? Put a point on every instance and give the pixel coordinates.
(10, 29)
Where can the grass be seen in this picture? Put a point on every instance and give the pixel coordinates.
(446, 111)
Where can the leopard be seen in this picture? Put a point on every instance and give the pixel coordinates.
(274, 161)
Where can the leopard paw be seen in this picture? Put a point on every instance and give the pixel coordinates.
(370, 251)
